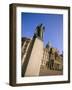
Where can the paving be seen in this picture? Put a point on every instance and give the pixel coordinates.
(48, 72)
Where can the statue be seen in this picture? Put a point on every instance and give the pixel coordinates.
(39, 31)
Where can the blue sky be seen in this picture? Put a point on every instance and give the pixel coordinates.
(53, 27)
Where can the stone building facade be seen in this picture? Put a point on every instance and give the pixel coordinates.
(51, 58)
(24, 48)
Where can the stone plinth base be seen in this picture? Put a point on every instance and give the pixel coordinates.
(34, 63)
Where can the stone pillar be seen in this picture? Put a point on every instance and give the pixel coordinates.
(34, 63)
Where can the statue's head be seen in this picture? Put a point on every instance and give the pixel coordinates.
(41, 27)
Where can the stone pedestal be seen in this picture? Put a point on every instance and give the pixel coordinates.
(34, 63)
